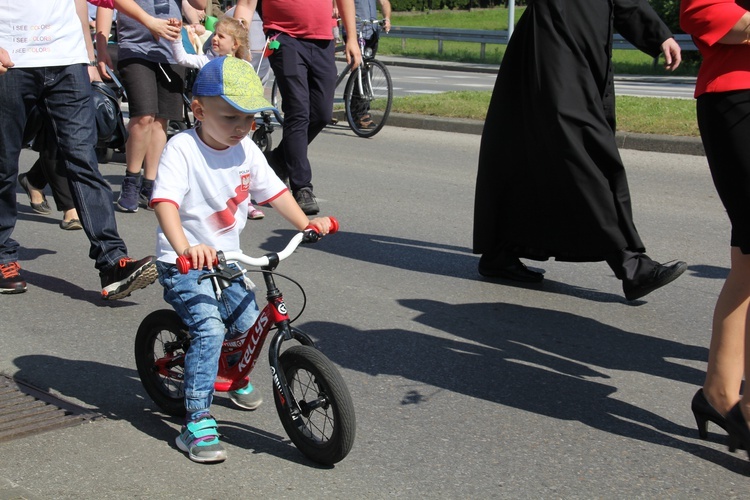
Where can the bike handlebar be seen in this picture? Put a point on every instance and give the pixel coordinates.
(309, 235)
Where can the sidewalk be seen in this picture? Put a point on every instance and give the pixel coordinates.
(625, 140)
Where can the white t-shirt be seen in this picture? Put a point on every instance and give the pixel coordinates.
(39, 33)
(211, 190)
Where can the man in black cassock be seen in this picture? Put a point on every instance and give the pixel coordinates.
(551, 182)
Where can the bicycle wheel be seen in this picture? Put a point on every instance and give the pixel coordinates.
(327, 433)
(262, 138)
(160, 346)
(376, 99)
(275, 95)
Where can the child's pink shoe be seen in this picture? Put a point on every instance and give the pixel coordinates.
(255, 214)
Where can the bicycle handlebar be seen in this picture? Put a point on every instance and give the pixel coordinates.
(309, 235)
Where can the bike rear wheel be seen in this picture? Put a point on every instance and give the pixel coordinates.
(328, 424)
(275, 95)
(160, 346)
(376, 98)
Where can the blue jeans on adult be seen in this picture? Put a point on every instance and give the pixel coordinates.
(64, 94)
(206, 318)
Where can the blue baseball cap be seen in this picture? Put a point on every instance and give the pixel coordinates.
(235, 81)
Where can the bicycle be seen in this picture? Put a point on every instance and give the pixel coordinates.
(311, 397)
(369, 89)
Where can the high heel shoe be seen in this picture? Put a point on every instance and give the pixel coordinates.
(739, 433)
(703, 412)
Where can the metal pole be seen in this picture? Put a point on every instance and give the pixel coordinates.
(511, 17)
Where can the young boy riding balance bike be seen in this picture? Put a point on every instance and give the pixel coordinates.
(205, 180)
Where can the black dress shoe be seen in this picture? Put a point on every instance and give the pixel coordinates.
(508, 267)
(659, 276)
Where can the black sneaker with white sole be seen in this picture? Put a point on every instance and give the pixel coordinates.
(307, 201)
(126, 276)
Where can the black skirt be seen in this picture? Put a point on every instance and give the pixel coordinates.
(724, 122)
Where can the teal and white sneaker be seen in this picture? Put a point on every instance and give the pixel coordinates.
(247, 398)
(199, 438)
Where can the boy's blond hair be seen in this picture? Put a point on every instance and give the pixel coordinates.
(237, 29)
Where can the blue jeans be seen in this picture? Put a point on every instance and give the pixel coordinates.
(206, 318)
(64, 94)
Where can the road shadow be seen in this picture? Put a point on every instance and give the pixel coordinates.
(446, 260)
(117, 394)
(549, 363)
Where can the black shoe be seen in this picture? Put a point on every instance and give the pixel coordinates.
(10, 278)
(365, 122)
(703, 412)
(306, 201)
(660, 275)
(126, 276)
(509, 267)
(40, 208)
(739, 433)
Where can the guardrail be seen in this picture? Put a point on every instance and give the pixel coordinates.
(500, 37)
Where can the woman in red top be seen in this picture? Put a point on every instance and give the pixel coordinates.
(721, 30)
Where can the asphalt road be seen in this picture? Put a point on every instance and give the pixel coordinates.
(415, 76)
(463, 387)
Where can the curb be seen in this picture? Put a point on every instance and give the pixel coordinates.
(625, 140)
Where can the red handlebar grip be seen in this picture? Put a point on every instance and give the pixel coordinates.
(184, 264)
(334, 225)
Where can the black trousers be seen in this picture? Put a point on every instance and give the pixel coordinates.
(305, 71)
(631, 266)
(49, 168)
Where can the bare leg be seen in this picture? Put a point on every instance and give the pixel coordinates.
(727, 357)
(158, 139)
(36, 195)
(139, 141)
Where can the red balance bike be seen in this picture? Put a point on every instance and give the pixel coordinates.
(311, 398)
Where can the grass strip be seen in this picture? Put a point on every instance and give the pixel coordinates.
(646, 115)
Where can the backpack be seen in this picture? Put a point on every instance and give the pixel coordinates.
(110, 125)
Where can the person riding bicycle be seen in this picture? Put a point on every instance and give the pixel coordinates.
(367, 10)
(205, 179)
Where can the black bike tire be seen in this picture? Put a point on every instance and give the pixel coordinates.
(376, 67)
(262, 139)
(152, 326)
(340, 410)
(275, 96)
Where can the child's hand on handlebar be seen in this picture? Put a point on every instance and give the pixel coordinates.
(323, 225)
(201, 256)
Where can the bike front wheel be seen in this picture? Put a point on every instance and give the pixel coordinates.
(160, 346)
(368, 110)
(325, 433)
